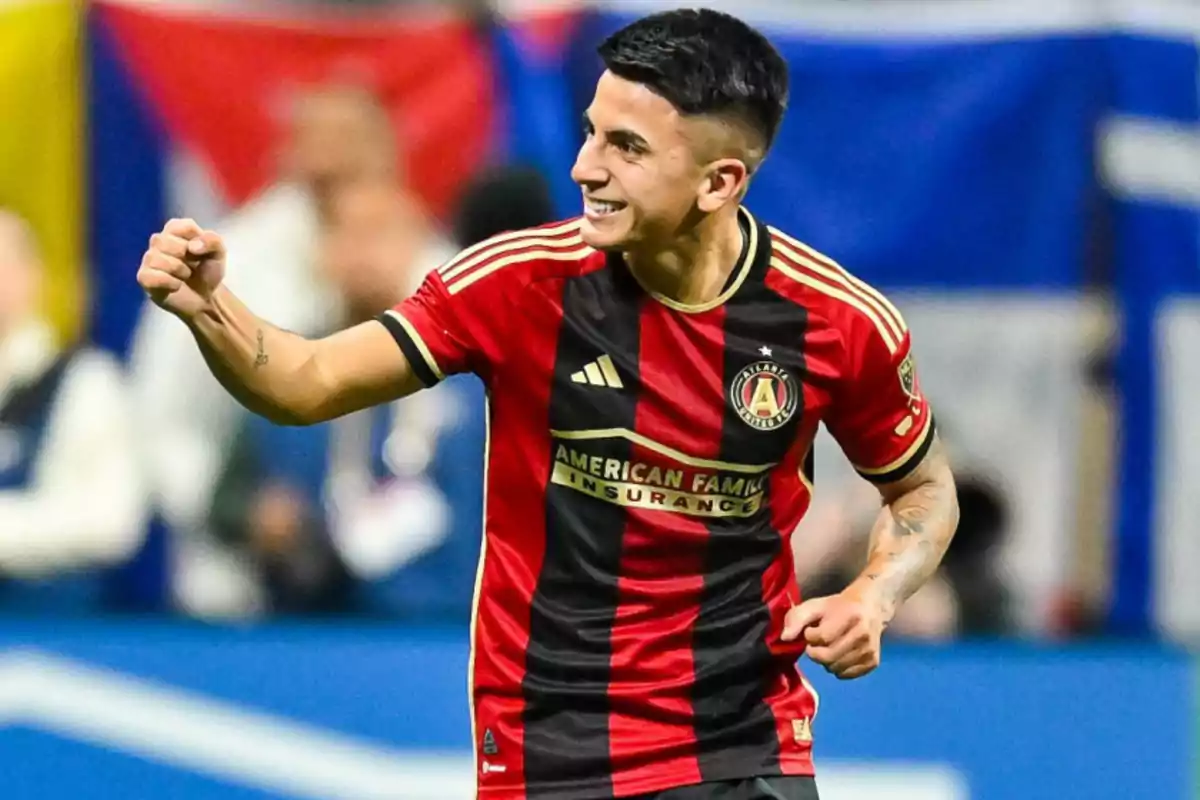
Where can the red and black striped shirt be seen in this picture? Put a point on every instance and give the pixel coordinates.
(647, 464)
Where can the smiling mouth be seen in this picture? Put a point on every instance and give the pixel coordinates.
(597, 209)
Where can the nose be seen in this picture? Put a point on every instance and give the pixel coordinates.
(588, 170)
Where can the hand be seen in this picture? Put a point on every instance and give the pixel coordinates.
(843, 632)
(183, 267)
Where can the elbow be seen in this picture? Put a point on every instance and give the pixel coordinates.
(309, 396)
(299, 413)
(945, 477)
(289, 418)
(954, 514)
(298, 405)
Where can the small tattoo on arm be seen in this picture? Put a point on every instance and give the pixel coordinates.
(261, 358)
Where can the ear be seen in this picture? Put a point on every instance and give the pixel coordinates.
(724, 183)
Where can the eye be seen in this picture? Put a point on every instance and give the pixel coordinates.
(628, 147)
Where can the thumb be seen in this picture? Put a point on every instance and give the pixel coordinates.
(807, 613)
(207, 244)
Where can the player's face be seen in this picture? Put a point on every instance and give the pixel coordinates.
(638, 167)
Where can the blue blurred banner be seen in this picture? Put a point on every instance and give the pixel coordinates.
(193, 713)
(931, 164)
(1152, 161)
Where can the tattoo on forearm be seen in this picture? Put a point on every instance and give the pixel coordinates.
(910, 539)
(261, 358)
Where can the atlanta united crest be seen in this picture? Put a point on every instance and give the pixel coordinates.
(764, 395)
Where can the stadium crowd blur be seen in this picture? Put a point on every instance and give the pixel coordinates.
(377, 515)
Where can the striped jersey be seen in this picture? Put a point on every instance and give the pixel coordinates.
(647, 464)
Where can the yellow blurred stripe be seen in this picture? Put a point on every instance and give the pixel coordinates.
(42, 142)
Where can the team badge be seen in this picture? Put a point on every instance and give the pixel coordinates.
(908, 377)
(765, 395)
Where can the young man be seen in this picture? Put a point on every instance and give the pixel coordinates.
(656, 371)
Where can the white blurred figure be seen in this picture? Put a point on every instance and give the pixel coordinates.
(337, 133)
(71, 493)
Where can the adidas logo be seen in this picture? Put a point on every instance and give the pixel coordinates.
(600, 372)
(489, 743)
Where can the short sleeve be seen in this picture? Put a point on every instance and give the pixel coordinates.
(880, 417)
(445, 333)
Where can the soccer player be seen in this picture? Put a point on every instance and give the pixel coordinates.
(656, 370)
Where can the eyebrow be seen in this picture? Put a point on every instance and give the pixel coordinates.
(619, 136)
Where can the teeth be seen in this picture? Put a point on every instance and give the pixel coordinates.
(602, 207)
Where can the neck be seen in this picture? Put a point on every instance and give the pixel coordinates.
(696, 266)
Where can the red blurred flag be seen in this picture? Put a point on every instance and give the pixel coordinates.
(217, 79)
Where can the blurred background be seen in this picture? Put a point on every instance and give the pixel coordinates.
(197, 604)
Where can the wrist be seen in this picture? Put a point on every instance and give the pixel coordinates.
(207, 312)
(869, 590)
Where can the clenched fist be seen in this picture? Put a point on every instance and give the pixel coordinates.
(843, 632)
(183, 267)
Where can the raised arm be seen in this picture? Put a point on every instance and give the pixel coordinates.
(291, 380)
(281, 376)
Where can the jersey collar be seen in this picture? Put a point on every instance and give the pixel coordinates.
(751, 247)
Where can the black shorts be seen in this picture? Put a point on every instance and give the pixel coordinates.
(780, 788)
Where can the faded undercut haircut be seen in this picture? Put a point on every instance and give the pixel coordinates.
(706, 63)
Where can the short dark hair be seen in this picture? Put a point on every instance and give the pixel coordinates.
(704, 62)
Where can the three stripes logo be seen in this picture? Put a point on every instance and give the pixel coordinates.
(600, 372)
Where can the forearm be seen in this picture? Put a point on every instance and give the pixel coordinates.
(911, 535)
(266, 369)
